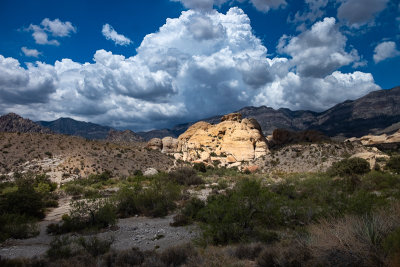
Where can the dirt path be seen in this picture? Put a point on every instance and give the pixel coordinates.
(144, 233)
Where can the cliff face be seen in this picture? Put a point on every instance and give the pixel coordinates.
(14, 123)
(232, 140)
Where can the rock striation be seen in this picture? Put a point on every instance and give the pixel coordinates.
(231, 141)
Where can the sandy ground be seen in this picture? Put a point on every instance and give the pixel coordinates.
(142, 232)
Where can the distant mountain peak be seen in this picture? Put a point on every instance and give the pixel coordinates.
(13, 122)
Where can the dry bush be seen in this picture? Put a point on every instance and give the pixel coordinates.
(292, 253)
(354, 240)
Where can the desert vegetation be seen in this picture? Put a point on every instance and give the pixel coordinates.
(348, 214)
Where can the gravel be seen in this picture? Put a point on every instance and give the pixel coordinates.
(142, 232)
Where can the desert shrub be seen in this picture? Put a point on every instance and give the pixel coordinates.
(178, 255)
(233, 217)
(156, 200)
(355, 240)
(60, 248)
(17, 226)
(95, 246)
(85, 215)
(130, 257)
(377, 180)
(248, 251)
(185, 176)
(294, 253)
(25, 200)
(200, 167)
(77, 249)
(391, 243)
(394, 164)
(188, 213)
(74, 189)
(350, 166)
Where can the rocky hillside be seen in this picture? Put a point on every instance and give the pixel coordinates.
(14, 123)
(126, 136)
(64, 157)
(376, 113)
(78, 128)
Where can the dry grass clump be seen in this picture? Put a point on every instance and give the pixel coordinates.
(355, 240)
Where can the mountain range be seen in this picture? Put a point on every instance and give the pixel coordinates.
(375, 113)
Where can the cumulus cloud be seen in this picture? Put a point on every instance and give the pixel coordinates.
(25, 86)
(207, 5)
(110, 34)
(313, 11)
(194, 66)
(30, 52)
(56, 28)
(360, 12)
(319, 51)
(385, 50)
(266, 5)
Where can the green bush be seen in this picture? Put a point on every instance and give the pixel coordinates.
(234, 216)
(95, 246)
(348, 167)
(200, 167)
(25, 200)
(86, 215)
(394, 164)
(189, 212)
(156, 200)
(391, 243)
(185, 176)
(17, 226)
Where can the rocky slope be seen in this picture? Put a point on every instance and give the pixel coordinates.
(14, 123)
(376, 113)
(229, 142)
(126, 136)
(64, 157)
(78, 128)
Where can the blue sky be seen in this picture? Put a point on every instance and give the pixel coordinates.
(121, 63)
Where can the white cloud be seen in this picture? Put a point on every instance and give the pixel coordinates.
(318, 51)
(30, 52)
(266, 5)
(385, 50)
(58, 28)
(313, 11)
(310, 93)
(194, 66)
(41, 36)
(207, 5)
(110, 34)
(360, 12)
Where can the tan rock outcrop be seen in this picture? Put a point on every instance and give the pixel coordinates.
(232, 140)
(379, 139)
(155, 144)
(169, 145)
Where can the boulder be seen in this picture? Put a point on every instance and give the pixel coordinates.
(169, 145)
(150, 172)
(155, 144)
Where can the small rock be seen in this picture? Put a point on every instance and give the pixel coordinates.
(150, 172)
